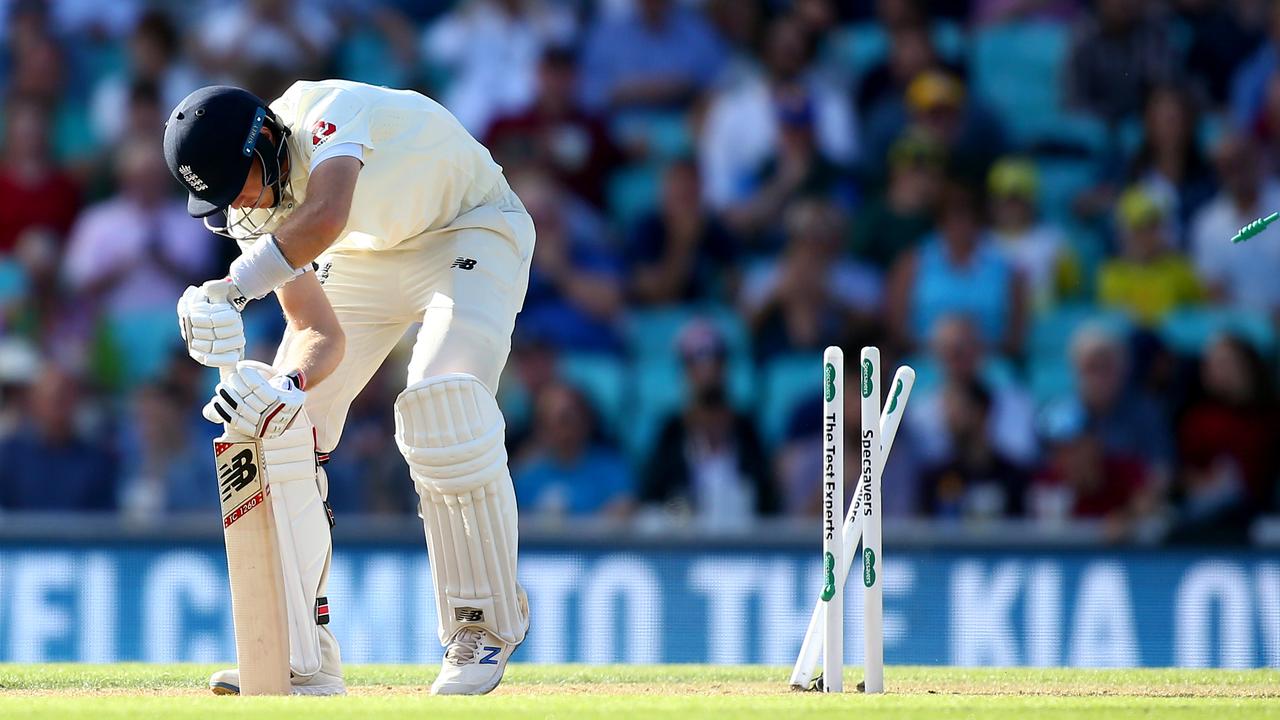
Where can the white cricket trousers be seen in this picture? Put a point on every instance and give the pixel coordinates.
(465, 284)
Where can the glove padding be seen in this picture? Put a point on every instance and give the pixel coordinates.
(253, 405)
(213, 331)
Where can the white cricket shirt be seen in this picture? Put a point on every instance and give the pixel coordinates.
(422, 170)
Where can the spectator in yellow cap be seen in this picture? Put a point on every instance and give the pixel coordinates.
(938, 103)
(896, 219)
(1035, 247)
(1149, 279)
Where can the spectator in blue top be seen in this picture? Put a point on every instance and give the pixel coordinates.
(958, 271)
(812, 296)
(1129, 422)
(47, 465)
(575, 295)
(166, 464)
(567, 469)
(681, 252)
(657, 57)
(1249, 86)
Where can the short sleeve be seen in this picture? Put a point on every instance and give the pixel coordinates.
(336, 150)
(337, 117)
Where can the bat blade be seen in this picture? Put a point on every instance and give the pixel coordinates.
(253, 567)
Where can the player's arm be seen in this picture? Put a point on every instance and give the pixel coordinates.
(261, 401)
(315, 224)
(275, 259)
(316, 342)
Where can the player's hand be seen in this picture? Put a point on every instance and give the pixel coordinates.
(255, 404)
(212, 330)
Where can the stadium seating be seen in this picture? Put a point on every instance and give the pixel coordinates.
(13, 282)
(633, 193)
(657, 376)
(1049, 372)
(996, 372)
(1052, 330)
(1017, 70)
(603, 379)
(1189, 330)
(857, 48)
(1062, 179)
(1049, 380)
(144, 340)
(366, 57)
(786, 381)
(664, 135)
(660, 390)
(653, 333)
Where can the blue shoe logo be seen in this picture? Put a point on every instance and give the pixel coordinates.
(493, 653)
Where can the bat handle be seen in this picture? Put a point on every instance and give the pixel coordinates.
(217, 290)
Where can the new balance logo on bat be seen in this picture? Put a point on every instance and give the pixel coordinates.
(464, 263)
(236, 475)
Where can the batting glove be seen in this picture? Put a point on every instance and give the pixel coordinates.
(253, 403)
(213, 331)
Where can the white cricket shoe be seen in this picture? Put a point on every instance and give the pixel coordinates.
(227, 682)
(473, 663)
(326, 682)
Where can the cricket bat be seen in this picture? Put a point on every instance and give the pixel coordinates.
(253, 556)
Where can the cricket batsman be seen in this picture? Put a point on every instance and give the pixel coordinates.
(366, 210)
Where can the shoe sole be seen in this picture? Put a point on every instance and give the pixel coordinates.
(484, 690)
(222, 688)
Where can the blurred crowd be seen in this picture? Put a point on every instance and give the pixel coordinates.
(1029, 201)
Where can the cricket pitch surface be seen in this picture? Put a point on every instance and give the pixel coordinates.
(177, 692)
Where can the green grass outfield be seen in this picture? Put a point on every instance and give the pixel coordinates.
(176, 692)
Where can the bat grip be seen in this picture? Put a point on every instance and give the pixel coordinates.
(217, 290)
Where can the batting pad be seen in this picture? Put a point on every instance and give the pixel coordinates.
(298, 487)
(451, 433)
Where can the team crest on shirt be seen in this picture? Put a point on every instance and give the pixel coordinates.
(321, 131)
